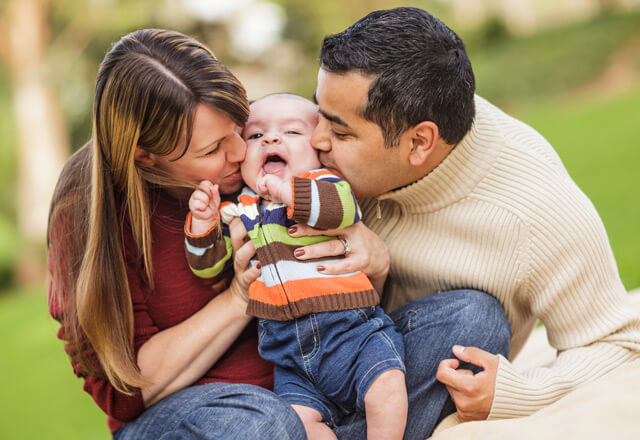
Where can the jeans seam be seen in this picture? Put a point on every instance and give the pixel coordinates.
(388, 340)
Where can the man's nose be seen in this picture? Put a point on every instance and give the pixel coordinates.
(320, 136)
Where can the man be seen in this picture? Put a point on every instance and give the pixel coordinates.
(467, 197)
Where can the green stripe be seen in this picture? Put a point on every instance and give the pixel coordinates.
(279, 233)
(215, 270)
(348, 207)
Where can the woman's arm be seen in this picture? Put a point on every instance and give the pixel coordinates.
(180, 355)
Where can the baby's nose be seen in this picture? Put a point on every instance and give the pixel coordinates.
(271, 138)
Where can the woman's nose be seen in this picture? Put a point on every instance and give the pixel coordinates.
(236, 149)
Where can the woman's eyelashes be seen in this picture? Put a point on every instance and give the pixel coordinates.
(214, 151)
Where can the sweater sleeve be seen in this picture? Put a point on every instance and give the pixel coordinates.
(574, 288)
(208, 254)
(323, 201)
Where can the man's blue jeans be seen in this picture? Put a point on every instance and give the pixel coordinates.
(430, 326)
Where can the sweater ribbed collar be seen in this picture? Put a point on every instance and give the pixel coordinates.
(456, 176)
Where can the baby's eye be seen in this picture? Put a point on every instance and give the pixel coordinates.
(255, 136)
(292, 132)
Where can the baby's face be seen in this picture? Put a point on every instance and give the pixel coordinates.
(278, 134)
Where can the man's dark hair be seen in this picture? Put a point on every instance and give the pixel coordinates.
(421, 66)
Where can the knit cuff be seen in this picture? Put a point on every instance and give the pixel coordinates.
(207, 238)
(301, 200)
(515, 396)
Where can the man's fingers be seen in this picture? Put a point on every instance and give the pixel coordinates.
(474, 355)
(455, 379)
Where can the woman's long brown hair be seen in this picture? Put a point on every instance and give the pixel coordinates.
(147, 89)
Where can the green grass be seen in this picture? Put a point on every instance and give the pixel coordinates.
(41, 398)
(598, 139)
(510, 69)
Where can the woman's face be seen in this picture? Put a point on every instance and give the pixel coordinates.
(214, 154)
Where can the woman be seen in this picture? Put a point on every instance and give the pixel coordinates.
(139, 326)
(159, 351)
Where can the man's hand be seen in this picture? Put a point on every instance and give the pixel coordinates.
(472, 393)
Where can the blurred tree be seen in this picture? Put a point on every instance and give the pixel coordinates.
(42, 134)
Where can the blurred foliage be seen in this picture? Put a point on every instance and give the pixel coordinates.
(509, 70)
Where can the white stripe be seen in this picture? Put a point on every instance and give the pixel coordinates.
(199, 252)
(315, 205)
(283, 271)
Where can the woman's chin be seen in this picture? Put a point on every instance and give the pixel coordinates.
(231, 187)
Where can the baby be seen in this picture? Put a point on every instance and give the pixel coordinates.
(335, 351)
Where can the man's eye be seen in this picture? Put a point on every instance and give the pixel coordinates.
(255, 136)
(338, 134)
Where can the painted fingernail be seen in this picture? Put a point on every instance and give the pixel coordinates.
(258, 265)
(292, 229)
(298, 252)
(320, 268)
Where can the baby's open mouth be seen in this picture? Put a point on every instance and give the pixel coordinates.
(273, 164)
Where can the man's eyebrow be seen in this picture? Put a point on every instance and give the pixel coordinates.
(334, 119)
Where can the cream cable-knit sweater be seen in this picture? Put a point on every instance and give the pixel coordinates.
(501, 214)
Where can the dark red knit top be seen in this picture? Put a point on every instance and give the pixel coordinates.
(178, 295)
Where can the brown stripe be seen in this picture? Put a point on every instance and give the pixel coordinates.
(301, 199)
(206, 240)
(331, 212)
(210, 257)
(325, 303)
(284, 252)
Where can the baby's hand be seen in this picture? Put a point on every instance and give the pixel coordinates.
(203, 204)
(274, 188)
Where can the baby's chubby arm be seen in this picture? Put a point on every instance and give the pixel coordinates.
(204, 204)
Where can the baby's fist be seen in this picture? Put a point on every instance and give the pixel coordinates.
(204, 201)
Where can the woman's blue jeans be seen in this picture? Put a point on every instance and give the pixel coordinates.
(430, 326)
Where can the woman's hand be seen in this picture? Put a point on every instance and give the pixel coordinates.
(472, 393)
(368, 252)
(243, 250)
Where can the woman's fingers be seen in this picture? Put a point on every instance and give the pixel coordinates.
(243, 256)
(237, 233)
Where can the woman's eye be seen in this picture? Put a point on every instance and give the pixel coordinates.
(215, 150)
(255, 136)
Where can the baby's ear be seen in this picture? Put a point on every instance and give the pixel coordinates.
(144, 157)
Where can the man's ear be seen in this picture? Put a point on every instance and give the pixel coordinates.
(144, 157)
(423, 140)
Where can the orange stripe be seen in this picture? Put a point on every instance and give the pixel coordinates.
(247, 200)
(315, 174)
(308, 288)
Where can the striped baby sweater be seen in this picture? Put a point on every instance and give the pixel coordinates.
(287, 288)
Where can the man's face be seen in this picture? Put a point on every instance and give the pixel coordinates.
(348, 144)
